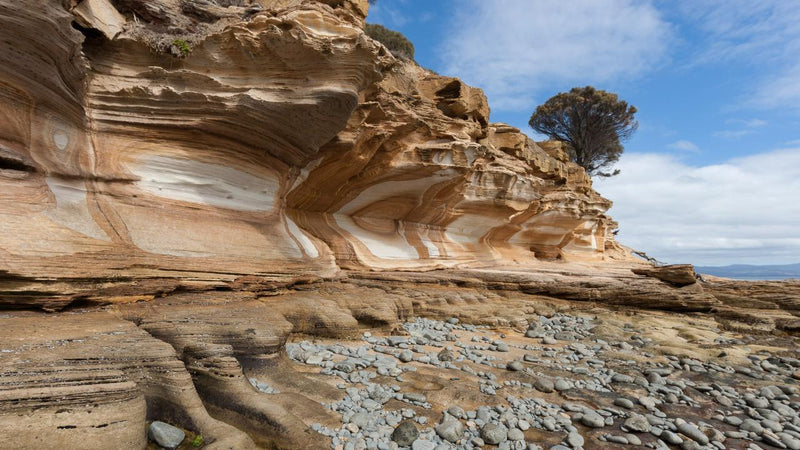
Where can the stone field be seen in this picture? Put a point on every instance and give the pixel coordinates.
(556, 384)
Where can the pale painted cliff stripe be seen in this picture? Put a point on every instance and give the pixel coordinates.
(380, 245)
(206, 184)
(308, 247)
(72, 210)
(387, 189)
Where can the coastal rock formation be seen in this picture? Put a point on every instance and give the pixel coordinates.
(186, 187)
(155, 146)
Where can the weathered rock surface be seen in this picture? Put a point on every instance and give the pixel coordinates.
(195, 184)
(285, 145)
(677, 274)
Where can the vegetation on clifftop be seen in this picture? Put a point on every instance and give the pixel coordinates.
(395, 41)
(591, 122)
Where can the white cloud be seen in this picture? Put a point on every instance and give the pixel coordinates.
(779, 90)
(515, 48)
(764, 35)
(749, 128)
(686, 146)
(744, 31)
(389, 14)
(743, 211)
(749, 123)
(732, 134)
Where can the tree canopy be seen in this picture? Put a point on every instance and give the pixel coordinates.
(395, 41)
(591, 122)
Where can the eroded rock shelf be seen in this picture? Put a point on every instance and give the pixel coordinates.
(191, 190)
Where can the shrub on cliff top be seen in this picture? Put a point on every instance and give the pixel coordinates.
(398, 44)
(592, 123)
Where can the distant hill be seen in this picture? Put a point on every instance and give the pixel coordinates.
(750, 272)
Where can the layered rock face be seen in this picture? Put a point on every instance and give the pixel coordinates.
(174, 145)
(192, 184)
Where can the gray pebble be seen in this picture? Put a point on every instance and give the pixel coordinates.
(494, 434)
(165, 434)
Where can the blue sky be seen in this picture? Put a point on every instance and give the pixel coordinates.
(712, 176)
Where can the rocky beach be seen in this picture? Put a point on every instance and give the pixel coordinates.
(236, 224)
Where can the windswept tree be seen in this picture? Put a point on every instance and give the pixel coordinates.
(591, 122)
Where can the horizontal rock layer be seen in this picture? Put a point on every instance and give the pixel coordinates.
(195, 182)
(89, 376)
(153, 146)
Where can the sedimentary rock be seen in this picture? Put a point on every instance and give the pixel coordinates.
(677, 274)
(155, 146)
(194, 184)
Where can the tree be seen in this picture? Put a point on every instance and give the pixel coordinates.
(591, 122)
(395, 41)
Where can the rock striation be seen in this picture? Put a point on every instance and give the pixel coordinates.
(186, 186)
(154, 146)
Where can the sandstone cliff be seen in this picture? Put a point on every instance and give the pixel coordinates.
(193, 183)
(284, 144)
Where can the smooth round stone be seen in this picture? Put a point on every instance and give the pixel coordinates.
(562, 385)
(420, 444)
(648, 402)
(502, 347)
(593, 420)
(165, 434)
(457, 412)
(405, 434)
(772, 425)
(494, 434)
(548, 340)
(633, 439)
(544, 385)
(623, 403)
(789, 441)
(621, 378)
(733, 420)
(575, 440)
(515, 366)
(751, 426)
(616, 439)
(757, 402)
(671, 438)
(450, 429)
(772, 440)
(515, 434)
(406, 356)
(415, 397)
(638, 423)
(724, 401)
(692, 432)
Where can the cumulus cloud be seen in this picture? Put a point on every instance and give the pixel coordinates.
(745, 210)
(513, 48)
(685, 146)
